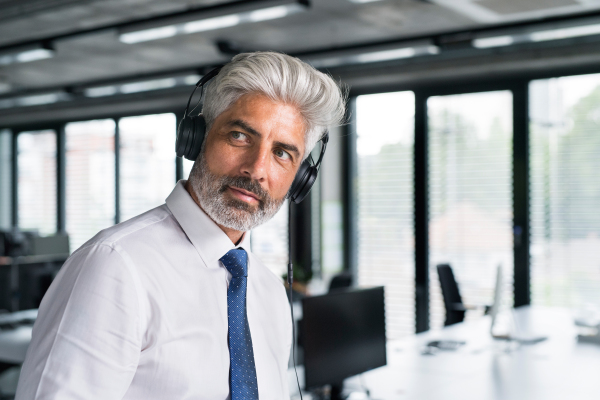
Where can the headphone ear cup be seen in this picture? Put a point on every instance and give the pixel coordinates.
(303, 182)
(190, 135)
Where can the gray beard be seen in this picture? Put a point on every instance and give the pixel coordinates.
(230, 212)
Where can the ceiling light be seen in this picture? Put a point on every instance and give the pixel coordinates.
(363, 1)
(537, 36)
(144, 33)
(495, 41)
(146, 86)
(565, 33)
(374, 55)
(34, 100)
(25, 54)
(141, 86)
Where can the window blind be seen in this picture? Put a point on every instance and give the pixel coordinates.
(90, 178)
(37, 181)
(147, 162)
(385, 128)
(470, 195)
(269, 241)
(565, 191)
(5, 178)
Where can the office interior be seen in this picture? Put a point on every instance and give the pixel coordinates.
(472, 141)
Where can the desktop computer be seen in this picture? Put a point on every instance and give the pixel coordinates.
(343, 335)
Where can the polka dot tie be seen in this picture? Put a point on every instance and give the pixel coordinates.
(241, 356)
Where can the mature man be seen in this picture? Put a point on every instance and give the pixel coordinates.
(172, 304)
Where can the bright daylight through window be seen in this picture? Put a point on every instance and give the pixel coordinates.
(385, 127)
(565, 191)
(470, 195)
(37, 181)
(90, 178)
(147, 162)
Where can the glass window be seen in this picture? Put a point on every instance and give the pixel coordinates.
(385, 127)
(147, 162)
(269, 241)
(470, 189)
(565, 191)
(5, 179)
(187, 167)
(90, 178)
(37, 181)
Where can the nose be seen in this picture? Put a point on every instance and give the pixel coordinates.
(255, 165)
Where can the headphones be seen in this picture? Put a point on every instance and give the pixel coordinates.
(192, 129)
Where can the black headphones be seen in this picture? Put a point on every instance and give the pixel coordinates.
(192, 129)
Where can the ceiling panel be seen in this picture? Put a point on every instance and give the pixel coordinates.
(100, 56)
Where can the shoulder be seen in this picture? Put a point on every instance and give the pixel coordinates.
(148, 224)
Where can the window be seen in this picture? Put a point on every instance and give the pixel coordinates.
(90, 178)
(37, 181)
(5, 178)
(147, 164)
(385, 127)
(269, 241)
(565, 191)
(187, 167)
(470, 194)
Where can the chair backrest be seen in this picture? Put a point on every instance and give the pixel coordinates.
(341, 281)
(451, 295)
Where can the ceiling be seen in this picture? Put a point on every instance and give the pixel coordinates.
(85, 36)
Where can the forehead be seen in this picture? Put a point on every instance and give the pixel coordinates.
(268, 117)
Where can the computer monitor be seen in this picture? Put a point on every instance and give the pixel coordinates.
(343, 334)
(497, 298)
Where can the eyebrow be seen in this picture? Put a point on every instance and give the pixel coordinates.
(286, 146)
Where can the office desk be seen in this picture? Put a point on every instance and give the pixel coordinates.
(14, 342)
(558, 368)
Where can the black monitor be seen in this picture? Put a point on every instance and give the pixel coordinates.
(343, 334)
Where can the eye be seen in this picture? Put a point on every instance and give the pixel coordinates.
(282, 154)
(238, 136)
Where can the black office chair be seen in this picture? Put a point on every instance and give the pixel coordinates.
(455, 308)
(340, 281)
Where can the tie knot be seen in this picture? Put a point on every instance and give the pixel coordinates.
(236, 262)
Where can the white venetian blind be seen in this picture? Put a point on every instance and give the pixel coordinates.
(5, 178)
(565, 191)
(37, 181)
(90, 178)
(470, 189)
(147, 164)
(385, 127)
(269, 241)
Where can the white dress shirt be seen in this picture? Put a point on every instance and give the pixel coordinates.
(140, 312)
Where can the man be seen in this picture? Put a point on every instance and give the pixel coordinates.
(172, 304)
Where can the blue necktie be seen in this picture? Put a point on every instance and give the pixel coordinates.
(242, 374)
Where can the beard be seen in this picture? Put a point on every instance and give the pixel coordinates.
(226, 211)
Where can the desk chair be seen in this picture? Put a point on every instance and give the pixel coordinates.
(455, 308)
(340, 281)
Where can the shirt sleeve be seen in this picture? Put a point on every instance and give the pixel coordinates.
(86, 341)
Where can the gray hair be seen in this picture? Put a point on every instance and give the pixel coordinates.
(320, 100)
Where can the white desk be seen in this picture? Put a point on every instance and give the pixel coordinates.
(14, 342)
(558, 368)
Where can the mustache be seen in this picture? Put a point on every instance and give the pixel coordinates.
(245, 183)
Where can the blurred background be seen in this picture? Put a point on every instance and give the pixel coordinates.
(472, 140)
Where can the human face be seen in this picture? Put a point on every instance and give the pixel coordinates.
(249, 161)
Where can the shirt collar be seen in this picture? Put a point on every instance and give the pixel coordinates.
(206, 236)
